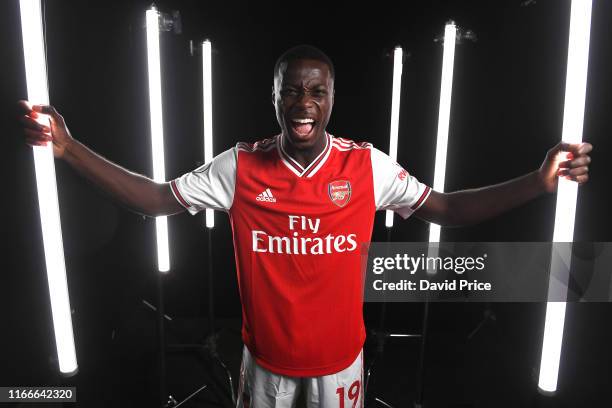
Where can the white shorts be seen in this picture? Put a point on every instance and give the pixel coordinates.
(260, 388)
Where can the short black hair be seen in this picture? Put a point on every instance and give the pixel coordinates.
(301, 52)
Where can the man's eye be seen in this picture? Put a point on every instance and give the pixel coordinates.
(289, 92)
(320, 92)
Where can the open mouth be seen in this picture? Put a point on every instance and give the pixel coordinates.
(302, 127)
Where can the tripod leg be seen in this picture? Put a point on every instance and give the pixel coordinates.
(367, 376)
(162, 340)
(488, 315)
(229, 378)
(211, 318)
(211, 298)
(421, 373)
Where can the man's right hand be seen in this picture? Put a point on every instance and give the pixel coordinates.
(38, 134)
(137, 192)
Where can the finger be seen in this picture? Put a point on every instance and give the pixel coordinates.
(579, 162)
(33, 143)
(565, 164)
(29, 123)
(563, 146)
(576, 148)
(585, 148)
(24, 107)
(36, 142)
(36, 136)
(570, 148)
(582, 179)
(49, 110)
(578, 171)
(563, 151)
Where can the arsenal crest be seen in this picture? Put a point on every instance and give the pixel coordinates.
(339, 192)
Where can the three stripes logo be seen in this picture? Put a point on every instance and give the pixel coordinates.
(266, 195)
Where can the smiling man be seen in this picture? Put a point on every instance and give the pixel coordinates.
(303, 97)
(301, 204)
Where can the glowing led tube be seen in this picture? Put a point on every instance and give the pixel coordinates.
(38, 93)
(567, 191)
(157, 131)
(395, 109)
(208, 129)
(446, 89)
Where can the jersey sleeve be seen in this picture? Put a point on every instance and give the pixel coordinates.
(209, 186)
(394, 188)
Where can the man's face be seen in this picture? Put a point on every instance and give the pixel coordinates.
(303, 98)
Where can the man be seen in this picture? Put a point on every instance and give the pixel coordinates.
(300, 203)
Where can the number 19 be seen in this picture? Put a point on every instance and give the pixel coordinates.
(353, 394)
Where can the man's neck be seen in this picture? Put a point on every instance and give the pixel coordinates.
(305, 156)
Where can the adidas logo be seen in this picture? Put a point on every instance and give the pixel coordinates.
(266, 196)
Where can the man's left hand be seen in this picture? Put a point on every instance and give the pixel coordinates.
(568, 160)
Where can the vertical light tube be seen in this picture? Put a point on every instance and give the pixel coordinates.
(567, 191)
(157, 131)
(446, 90)
(38, 93)
(395, 110)
(208, 127)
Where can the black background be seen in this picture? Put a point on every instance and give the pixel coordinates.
(507, 110)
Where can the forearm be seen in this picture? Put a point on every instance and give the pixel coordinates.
(135, 191)
(475, 205)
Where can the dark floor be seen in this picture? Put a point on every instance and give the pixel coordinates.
(494, 366)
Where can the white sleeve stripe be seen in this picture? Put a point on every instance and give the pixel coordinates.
(421, 199)
(263, 145)
(343, 145)
(346, 149)
(246, 148)
(178, 196)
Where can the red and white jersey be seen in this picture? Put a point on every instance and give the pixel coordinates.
(298, 235)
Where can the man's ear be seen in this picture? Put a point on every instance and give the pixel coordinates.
(273, 96)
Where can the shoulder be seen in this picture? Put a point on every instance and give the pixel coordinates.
(347, 145)
(263, 145)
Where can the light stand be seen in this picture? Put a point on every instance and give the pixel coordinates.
(381, 335)
(156, 21)
(157, 143)
(209, 346)
(567, 192)
(38, 93)
(211, 340)
(161, 336)
(451, 36)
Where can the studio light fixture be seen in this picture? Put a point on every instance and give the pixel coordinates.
(38, 93)
(398, 56)
(208, 127)
(567, 191)
(446, 90)
(157, 130)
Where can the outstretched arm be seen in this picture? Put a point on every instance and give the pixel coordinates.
(475, 205)
(137, 192)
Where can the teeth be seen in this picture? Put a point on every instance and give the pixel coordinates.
(303, 120)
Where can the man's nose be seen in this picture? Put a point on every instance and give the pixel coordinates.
(305, 98)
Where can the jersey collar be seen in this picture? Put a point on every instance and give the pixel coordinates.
(296, 167)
